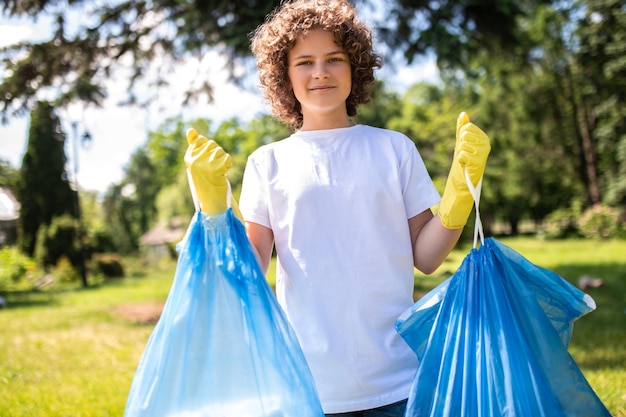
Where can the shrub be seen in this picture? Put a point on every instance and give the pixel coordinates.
(64, 271)
(108, 264)
(100, 240)
(15, 268)
(601, 222)
(560, 224)
(58, 239)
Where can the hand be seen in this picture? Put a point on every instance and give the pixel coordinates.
(470, 154)
(207, 164)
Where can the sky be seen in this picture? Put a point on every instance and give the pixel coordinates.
(117, 131)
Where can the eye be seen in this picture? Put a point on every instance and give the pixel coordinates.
(339, 57)
(299, 63)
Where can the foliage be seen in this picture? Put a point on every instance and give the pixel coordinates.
(149, 37)
(528, 173)
(165, 148)
(43, 189)
(455, 31)
(561, 223)
(602, 56)
(8, 174)
(175, 200)
(383, 106)
(542, 113)
(129, 207)
(58, 240)
(601, 222)
(63, 271)
(120, 213)
(100, 240)
(132, 206)
(428, 115)
(108, 264)
(596, 222)
(240, 140)
(77, 60)
(16, 269)
(97, 237)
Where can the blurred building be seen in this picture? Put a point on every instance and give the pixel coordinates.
(161, 240)
(9, 213)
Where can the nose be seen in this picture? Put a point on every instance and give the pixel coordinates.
(320, 70)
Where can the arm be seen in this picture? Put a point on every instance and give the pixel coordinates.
(432, 242)
(433, 237)
(262, 240)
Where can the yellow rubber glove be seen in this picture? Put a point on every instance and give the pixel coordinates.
(207, 164)
(470, 154)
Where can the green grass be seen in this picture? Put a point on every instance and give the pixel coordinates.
(69, 354)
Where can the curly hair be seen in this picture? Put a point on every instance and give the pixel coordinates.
(272, 41)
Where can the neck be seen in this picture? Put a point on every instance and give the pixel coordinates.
(334, 120)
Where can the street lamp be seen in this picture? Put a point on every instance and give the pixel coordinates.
(86, 138)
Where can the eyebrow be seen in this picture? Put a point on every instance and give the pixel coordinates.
(338, 52)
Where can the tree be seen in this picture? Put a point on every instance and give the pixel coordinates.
(428, 116)
(77, 61)
(130, 206)
(153, 35)
(553, 111)
(384, 105)
(455, 31)
(602, 58)
(43, 189)
(8, 174)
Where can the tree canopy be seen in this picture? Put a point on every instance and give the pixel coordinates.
(91, 40)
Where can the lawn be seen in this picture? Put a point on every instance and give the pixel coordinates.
(74, 352)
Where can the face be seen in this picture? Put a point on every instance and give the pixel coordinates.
(319, 71)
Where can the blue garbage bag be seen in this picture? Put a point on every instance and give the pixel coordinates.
(492, 341)
(222, 346)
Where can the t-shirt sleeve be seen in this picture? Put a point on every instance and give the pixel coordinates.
(253, 201)
(418, 188)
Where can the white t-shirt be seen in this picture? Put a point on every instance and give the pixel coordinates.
(338, 202)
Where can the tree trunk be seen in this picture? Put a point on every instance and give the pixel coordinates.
(589, 154)
(583, 130)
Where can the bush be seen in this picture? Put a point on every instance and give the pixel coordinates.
(64, 271)
(601, 222)
(560, 224)
(108, 264)
(15, 268)
(59, 239)
(100, 240)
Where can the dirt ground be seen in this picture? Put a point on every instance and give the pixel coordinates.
(139, 313)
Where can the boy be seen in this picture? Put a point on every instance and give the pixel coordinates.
(346, 206)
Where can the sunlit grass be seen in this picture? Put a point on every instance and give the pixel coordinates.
(67, 355)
